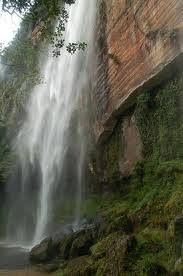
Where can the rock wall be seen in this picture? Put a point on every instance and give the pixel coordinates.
(151, 130)
(139, 44)
(138, 85)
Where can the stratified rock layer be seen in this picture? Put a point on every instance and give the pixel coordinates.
(143, 41)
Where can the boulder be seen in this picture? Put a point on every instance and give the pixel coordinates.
(49, 248)
(101, 222)
(65, 246)
(61, 232)
(81, 244)
(42, 252)
(78, 243)
(106, 224)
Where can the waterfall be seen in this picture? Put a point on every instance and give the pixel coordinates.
(51, 145)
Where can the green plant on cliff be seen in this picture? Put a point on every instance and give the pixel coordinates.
(155, 190)
(153, 201)
(44, 14)
(111, 151)
(160, 121)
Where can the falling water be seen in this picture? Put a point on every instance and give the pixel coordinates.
(51, 145)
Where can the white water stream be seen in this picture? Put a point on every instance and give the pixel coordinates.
(46, 136)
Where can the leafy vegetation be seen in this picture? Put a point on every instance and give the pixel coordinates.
(159, 120)
(153, 195)
(44, 15)
(152, 203)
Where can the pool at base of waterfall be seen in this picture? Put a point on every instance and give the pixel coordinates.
(13, 258)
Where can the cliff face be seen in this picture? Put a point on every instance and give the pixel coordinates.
(140, 43)
(139, 48)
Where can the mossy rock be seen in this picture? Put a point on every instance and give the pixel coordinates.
(148, 265)
(82, 244)
(65, 246)
(77, 244)
(99, 249)
(109, 222)
(156, 269)
(151, 240)
(154, 252)
(102, 221)
(81, 266)
(111, 254)
(122, 223)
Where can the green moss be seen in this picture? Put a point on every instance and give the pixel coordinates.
(121, 223)
(110, 157)
(66, 246)
(82, 243)
(82, 266)
(149, 266)
(154, 252)
(174, 205)
(111, 254)
(153, 201)
(155, 195)
(98, 251)
(102, 248)
(159, 119)
(91, 205)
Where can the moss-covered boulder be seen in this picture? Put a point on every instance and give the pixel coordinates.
(111, 254)
(122, 223)
(81, 266)
(78, 243)
(65, 246)
(109, 222)
(82, 244)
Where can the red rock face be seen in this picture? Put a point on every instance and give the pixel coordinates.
(143, 40)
